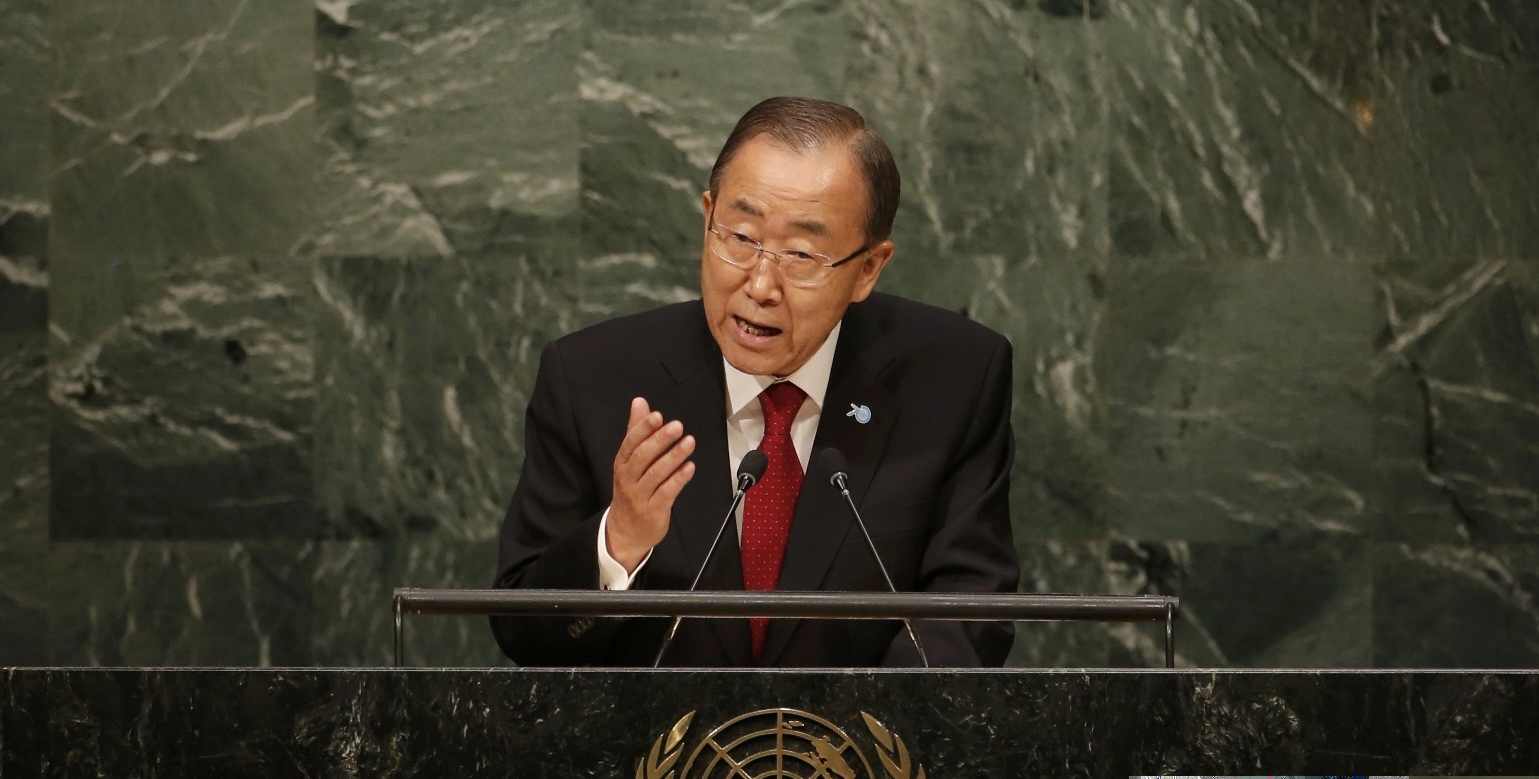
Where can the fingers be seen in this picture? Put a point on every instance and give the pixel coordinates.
(643, 423)
(651, 468)
(669, 490)
(639, 411)
(652, 451)
(666, 464)
(647, 452)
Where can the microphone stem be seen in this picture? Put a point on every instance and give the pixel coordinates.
(737, 500)
(918, 647)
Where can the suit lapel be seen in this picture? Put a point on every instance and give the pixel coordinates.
(822, 520)
(698, 399)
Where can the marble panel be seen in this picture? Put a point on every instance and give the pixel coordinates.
(565, 723)
(1065, 567)
(1451, 116)
(24, 56)
(1238, 399)
(24, 596)
(1278, 605)
(449, 239)
(1460, 359)
(190, 415)
(1456, 606)
(1415, 506)
(1457, 363)
(351, 591)
(179, 603)
(1003, 156)
(182, 128)
(24, 53)
(662, 84)
(425, 367)
(1235, 136)
(641, 225)
(352, 583)
(689, 69)
(449, 124)
(1004, 215)
(1150, 569)
(1274, 604)
(23, 273)
(182, 144)
(1364, 139)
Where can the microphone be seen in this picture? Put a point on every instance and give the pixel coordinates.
(833, 460)
(749, 472)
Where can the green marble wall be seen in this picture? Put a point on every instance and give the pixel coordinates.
(274, 276)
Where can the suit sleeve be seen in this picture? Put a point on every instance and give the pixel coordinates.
(550, 533)
(972, 549)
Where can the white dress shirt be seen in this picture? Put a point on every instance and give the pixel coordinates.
(745, 429)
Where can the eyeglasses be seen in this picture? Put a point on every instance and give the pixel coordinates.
(798, 268)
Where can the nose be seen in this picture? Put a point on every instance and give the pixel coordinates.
(763, 285)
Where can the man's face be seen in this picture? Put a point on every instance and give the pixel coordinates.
(788, 201)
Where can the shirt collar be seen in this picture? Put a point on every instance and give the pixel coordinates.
(812, 377)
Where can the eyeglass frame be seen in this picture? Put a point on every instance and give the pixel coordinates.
(758, 258)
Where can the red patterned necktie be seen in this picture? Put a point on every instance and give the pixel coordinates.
(768, 507)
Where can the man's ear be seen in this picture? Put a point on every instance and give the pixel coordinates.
(705, 208)
(871, 269)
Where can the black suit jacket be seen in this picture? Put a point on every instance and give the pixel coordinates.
(930, 472)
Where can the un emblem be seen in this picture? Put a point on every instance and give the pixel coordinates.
(777, 744)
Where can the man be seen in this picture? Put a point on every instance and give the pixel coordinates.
(636, 427)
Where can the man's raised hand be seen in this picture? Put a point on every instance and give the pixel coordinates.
(651, 468)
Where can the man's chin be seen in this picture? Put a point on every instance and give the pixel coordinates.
(754, 364)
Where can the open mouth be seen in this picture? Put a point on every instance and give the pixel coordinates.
(759, 331)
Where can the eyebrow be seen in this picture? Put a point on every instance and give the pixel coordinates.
(746, 207)
(811, 226)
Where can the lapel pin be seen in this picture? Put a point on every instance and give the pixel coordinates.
(862, 414)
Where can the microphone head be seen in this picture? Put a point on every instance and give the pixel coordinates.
(752, 468)
(831, 461)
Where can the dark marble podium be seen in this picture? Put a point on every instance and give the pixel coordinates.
(579, 723)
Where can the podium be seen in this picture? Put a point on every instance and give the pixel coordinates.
(569, 723)
(691, 724)
(732, 724)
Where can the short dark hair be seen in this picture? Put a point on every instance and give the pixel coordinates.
(805, 124)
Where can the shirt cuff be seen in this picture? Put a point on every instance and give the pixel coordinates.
(612, 575)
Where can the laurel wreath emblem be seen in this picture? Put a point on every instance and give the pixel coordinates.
(891, 751)
(665, 751)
